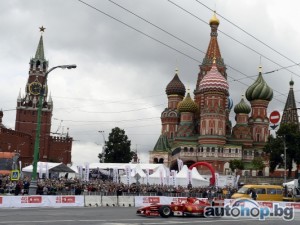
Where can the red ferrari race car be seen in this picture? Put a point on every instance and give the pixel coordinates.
(190, 207)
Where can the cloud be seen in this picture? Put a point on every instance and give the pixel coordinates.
(122, 74)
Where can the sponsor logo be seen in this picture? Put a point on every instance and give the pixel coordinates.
(151, 200)
(31, 199)
(240, 208)
(65, 199)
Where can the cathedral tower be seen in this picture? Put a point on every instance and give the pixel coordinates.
(259, 94)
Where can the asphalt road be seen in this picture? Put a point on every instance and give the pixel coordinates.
(113, 216)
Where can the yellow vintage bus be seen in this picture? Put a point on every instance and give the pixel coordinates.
(265, 192)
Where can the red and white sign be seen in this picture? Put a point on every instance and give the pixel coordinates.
(41, 201)
(274, 117)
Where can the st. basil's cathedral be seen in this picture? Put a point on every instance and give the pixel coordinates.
(200, 129)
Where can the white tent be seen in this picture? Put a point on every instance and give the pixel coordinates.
(291, 184)
(133, 179)
(159, 176)
(197, 179)
(54, 169)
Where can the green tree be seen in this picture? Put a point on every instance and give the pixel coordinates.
(275, 147)
(117, 148)
(236, 164)
(258, 163)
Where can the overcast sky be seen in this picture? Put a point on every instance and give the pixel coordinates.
(122, 74)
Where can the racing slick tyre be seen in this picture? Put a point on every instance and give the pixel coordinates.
(165, 211)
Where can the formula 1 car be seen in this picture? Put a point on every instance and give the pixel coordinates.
(190, 207)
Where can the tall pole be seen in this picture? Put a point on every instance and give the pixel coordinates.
(33, 182)
(103, 147)
(284, 146)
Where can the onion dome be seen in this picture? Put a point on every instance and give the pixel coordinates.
(259, 90)
(187, 105)
(242, 107)
(213, 81)
(291, 83)
(175, 87)
(230, 103)
(214, 20)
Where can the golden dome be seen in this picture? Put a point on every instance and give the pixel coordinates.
(214, 20)
(187, 105)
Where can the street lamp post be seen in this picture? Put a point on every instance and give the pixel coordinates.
(103, 148)
(33, 182)
(284, 158)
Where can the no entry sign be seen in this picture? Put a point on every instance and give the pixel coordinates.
(274, 117)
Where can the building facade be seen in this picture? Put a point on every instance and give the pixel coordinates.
(199, 129)
(22, 139)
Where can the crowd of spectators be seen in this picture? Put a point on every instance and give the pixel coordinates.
(64, 186)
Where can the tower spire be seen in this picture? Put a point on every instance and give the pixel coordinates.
(40, 49)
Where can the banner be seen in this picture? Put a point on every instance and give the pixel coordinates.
(86, 171)
(115, 175)
(47, 170)
(179, 164)
(168, 177)
(189, 177)
(161, 177)
(217, 179)
(41, 201)
(80, 172)
(128, 175)
(40, 170)
(147, 176)
(174, 180)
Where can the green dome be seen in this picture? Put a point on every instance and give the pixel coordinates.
(291, 83)
(259, 90)
(242, 107)
(187, 105)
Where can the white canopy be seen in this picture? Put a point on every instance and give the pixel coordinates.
(291, 184)
(106, 166)
(197, 179)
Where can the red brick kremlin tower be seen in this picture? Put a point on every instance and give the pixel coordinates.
(200, 129)
(52, 148)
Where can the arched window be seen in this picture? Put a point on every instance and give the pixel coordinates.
(185, 149)
(208, 149)
(245, 152)
(155, 160)
(161, 160)
(236, 150)
(191, 149)
(38, 63)
(201, 149)
(230, 150)
(213, 149)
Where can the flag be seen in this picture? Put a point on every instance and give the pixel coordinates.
(40, 170)
(47, 170)
(115, 173)
(86, 171)
(128, 175)
(174, 180)
(147, 176)
(189, 177)
(179, 164)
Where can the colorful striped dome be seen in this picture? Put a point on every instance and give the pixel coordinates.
(175, 87)
(187, 105)
(214, 81)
